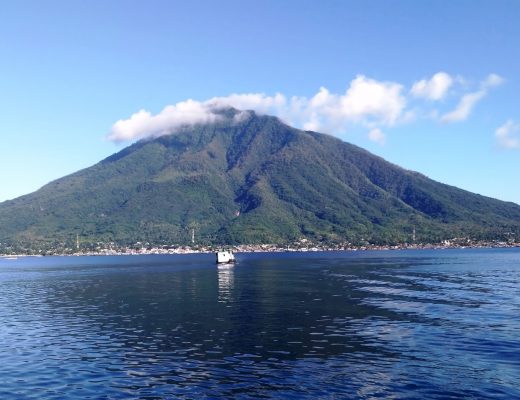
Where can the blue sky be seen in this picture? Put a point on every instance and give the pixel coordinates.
(431, 86)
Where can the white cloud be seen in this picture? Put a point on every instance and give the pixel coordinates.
(366, 102)
(377, 136)
(492, 81)
(435, 88)
(464, 108)
(368, 98)
(144, 124)
(508, 135)
(469, 100)
(250, 101)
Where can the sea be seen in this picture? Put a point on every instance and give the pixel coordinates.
(402, 324)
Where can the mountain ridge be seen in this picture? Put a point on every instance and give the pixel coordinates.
(249, 178)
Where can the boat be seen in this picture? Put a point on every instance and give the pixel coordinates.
(225, 257)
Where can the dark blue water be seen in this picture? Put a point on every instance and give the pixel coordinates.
(389, 324)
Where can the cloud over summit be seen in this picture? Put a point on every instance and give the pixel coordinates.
(144, 124)
(367, 103)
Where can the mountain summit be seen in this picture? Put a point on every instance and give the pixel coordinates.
(249, 178)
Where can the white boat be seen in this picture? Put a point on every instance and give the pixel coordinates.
(225, 257)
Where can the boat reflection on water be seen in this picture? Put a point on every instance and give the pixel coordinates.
(226, 282)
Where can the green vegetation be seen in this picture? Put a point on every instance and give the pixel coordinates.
(284, 183)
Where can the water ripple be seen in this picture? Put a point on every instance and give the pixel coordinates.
(421, 324)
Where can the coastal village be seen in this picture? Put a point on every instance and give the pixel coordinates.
(303, 245)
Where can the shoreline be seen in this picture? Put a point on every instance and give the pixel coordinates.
(125, 251)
